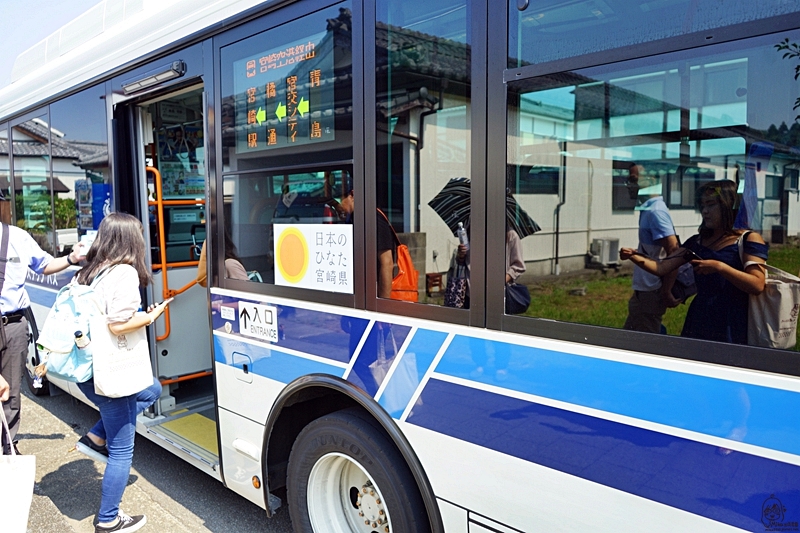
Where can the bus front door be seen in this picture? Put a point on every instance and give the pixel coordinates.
(174, 214)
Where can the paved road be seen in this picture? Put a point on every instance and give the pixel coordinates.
(175, 496)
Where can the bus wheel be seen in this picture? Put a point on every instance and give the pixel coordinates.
(346, 476)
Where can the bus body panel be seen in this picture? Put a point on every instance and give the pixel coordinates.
(454, 518)
(624, 431)
(241, 441)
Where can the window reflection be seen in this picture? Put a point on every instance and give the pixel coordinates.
(555, 29)
(613, 157)
(255, 203)
(423, 121)
(288, 90)
(80, 163)
(33, 209)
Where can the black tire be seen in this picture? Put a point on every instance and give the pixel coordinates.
(354, 434)
(32, 359)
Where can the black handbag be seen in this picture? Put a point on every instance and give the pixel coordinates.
(518, 298)
(685, 285)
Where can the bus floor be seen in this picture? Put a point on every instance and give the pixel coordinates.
(191, 425)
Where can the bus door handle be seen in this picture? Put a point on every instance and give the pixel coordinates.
(245, 363)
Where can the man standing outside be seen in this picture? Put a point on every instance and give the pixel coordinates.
(23, 253)
(651, 295)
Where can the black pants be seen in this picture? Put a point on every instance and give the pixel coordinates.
(11, 362)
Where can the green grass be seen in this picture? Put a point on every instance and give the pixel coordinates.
(604, 304)
(606, 300)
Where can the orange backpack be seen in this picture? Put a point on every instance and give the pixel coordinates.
(404, 284)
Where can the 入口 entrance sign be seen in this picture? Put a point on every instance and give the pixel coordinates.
(259, 321)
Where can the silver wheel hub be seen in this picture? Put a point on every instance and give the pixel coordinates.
(371, 509)
(343, 498)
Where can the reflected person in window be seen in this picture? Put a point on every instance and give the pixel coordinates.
(657, 239)
(719, 310)
(515, 264)
(386, 245)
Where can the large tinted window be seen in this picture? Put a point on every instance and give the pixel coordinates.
(287, 154)
(31, 180)
(81, 178)
(423, 122)
(627, 146)
(548, 30)
(288, 91)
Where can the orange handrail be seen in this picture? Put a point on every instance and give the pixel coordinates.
(198, 201)
(185, 378)
(159, 203)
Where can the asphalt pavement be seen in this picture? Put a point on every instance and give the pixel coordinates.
(175, 496)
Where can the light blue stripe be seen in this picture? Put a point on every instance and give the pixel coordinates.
(41, 296)
(757, 415)
(269, 363)
(409, 372)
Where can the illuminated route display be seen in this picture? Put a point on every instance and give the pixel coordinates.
(284, 96)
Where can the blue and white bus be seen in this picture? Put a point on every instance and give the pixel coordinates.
(275, 131)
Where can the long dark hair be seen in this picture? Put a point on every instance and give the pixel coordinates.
(230, 248)
(725, 192)
(119, 241)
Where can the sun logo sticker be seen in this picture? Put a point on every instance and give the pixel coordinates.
(291, 255)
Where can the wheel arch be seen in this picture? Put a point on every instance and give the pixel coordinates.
(313, 396)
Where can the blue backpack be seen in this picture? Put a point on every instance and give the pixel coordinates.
(73, 310)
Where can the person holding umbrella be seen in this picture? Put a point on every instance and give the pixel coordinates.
(453, 205)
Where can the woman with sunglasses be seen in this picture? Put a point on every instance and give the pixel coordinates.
(724, 282)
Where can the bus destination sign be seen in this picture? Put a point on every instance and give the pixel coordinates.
(284, 96)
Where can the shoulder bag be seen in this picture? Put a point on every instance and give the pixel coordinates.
(121, 362)
(17, 473)
(404, 284)
(518, 298)
(72, 311)
(684, 285)
(772, 315)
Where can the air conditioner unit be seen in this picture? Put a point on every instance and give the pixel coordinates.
(605, 252)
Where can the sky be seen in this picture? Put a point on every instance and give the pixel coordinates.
(24, 23)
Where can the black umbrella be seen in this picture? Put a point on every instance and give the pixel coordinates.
(453, 205)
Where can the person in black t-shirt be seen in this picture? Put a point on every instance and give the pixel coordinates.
(387, 247)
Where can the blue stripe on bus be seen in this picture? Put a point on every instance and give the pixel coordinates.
(407, 376)
(327, 335)
(376, 355)
(753, 414)
(40, 296)
(268, 363)
(725, 486)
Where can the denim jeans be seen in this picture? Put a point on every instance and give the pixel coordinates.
(117, 425)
